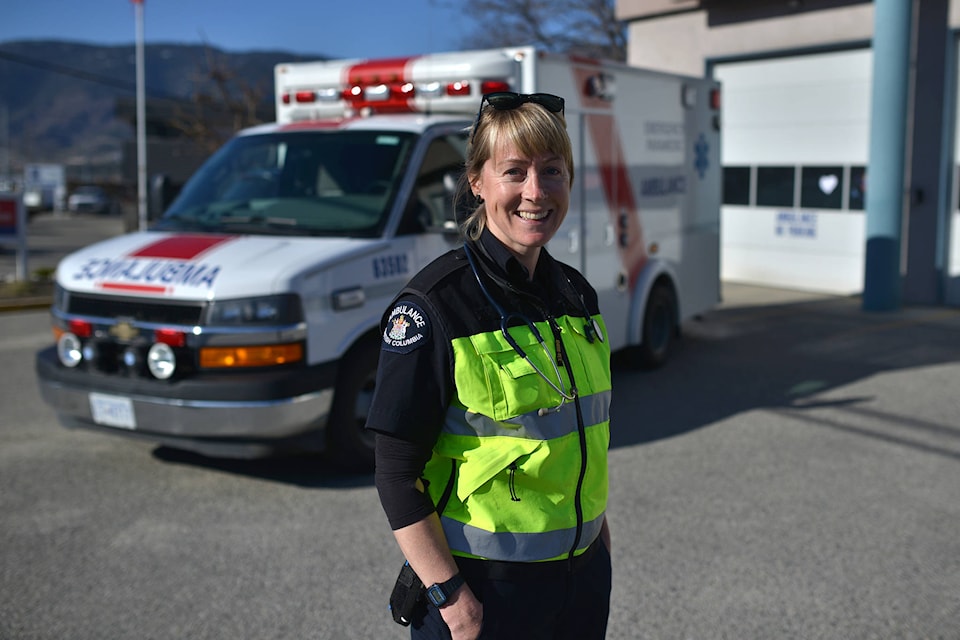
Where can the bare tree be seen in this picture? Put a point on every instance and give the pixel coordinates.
(224, 104)
(583, 27)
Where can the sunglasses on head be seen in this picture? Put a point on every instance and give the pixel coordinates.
(507, 100)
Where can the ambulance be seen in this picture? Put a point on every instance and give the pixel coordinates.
(245, 322)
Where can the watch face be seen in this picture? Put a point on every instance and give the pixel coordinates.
(436, 595)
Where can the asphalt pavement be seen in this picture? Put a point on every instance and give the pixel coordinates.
(793, 472)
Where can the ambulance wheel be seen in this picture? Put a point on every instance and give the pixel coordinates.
(659, 327)
(350, 445)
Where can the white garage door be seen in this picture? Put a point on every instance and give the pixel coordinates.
(795, 148)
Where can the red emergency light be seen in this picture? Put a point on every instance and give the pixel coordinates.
(80, 328)
(493, 86)
(389, 86)
(170, 337)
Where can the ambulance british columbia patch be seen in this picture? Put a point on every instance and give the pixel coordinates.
(407, 328)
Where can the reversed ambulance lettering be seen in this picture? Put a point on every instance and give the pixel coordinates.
(148, 272)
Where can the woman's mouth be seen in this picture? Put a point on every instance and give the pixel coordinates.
(533, 215)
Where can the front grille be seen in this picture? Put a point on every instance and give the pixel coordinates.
(138, 310)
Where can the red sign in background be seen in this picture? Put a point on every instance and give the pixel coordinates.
(8, 216)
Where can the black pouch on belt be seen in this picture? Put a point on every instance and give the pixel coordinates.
(406, 597)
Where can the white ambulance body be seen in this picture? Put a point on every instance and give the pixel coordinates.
(247, 319)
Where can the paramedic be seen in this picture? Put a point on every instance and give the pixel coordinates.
(492, 403)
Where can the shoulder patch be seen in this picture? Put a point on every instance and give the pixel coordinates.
(407, 328)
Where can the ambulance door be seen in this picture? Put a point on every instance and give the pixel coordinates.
(429, 221)
(567, 244)
(612, 239)
(605, 223)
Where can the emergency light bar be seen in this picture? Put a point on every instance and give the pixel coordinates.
(436, 83)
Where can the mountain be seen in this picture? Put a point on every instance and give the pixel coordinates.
(60, 98)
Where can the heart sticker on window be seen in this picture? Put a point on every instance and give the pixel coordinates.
(828, 183)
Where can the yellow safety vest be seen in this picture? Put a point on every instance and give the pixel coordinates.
(530, 479)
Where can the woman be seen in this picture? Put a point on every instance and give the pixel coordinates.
(492, 403)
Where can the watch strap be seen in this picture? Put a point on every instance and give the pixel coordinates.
(439, 593)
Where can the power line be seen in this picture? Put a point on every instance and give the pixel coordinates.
(80, 74)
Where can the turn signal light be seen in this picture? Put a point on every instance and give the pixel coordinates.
(250, 356)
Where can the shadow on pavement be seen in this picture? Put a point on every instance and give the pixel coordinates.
(739, 358)
(312, 471)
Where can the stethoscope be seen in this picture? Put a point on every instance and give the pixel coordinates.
(591, 330)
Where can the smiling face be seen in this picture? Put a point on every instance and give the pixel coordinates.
(526, 199)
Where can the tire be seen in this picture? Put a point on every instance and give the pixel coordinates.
(349, 444)
(659, 327)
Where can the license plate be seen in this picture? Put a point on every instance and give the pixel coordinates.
(112, 411)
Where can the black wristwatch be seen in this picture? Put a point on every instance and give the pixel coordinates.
(439, 593)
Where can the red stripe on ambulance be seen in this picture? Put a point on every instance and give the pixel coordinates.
(612, 167)
(132, 288)
(181, 247)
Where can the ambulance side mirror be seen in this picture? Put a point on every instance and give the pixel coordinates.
(160, 194)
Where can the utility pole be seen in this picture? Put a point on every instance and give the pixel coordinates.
(141, 123)
(5, 178)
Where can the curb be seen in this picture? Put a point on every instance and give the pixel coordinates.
(25, 304)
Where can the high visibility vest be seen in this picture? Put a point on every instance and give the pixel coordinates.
(530, 478)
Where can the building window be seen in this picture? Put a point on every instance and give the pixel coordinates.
(775, 186)
(736, 185)
(858, 188)
(821, 187)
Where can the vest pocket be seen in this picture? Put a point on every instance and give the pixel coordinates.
(499, 382)
(483, 464)
(517, 385)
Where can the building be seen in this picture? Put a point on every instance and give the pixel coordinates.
(804, 120)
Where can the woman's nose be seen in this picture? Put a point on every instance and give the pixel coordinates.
(533, 188)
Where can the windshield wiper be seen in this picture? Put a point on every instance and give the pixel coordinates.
(265, 225)
(263, 220)
(176, 221)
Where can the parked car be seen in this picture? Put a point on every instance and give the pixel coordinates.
(36, 199)
(90, 199)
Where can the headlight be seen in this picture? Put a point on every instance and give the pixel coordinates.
(264, 310)
(69, 350)
(161, 361)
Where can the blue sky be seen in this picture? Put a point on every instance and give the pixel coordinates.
(335, 28)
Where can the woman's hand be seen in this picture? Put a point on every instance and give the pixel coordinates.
(463, 614)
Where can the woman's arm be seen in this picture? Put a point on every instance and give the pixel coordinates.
(416, 527)
(425, 548)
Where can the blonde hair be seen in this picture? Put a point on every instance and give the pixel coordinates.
(532, 129)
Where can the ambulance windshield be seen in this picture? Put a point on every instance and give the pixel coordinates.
(326, 183)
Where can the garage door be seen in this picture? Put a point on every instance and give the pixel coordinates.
(795, 148)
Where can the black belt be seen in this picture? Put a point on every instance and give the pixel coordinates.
(522, 571)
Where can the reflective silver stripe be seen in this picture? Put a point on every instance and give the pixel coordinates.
(517, 547)
(533, 426)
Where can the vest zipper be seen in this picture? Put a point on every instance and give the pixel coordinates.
(581, 432)
(512, 482)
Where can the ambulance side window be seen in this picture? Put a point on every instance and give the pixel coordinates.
(432, 198)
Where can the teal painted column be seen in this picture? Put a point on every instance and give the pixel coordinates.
(888, 134)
